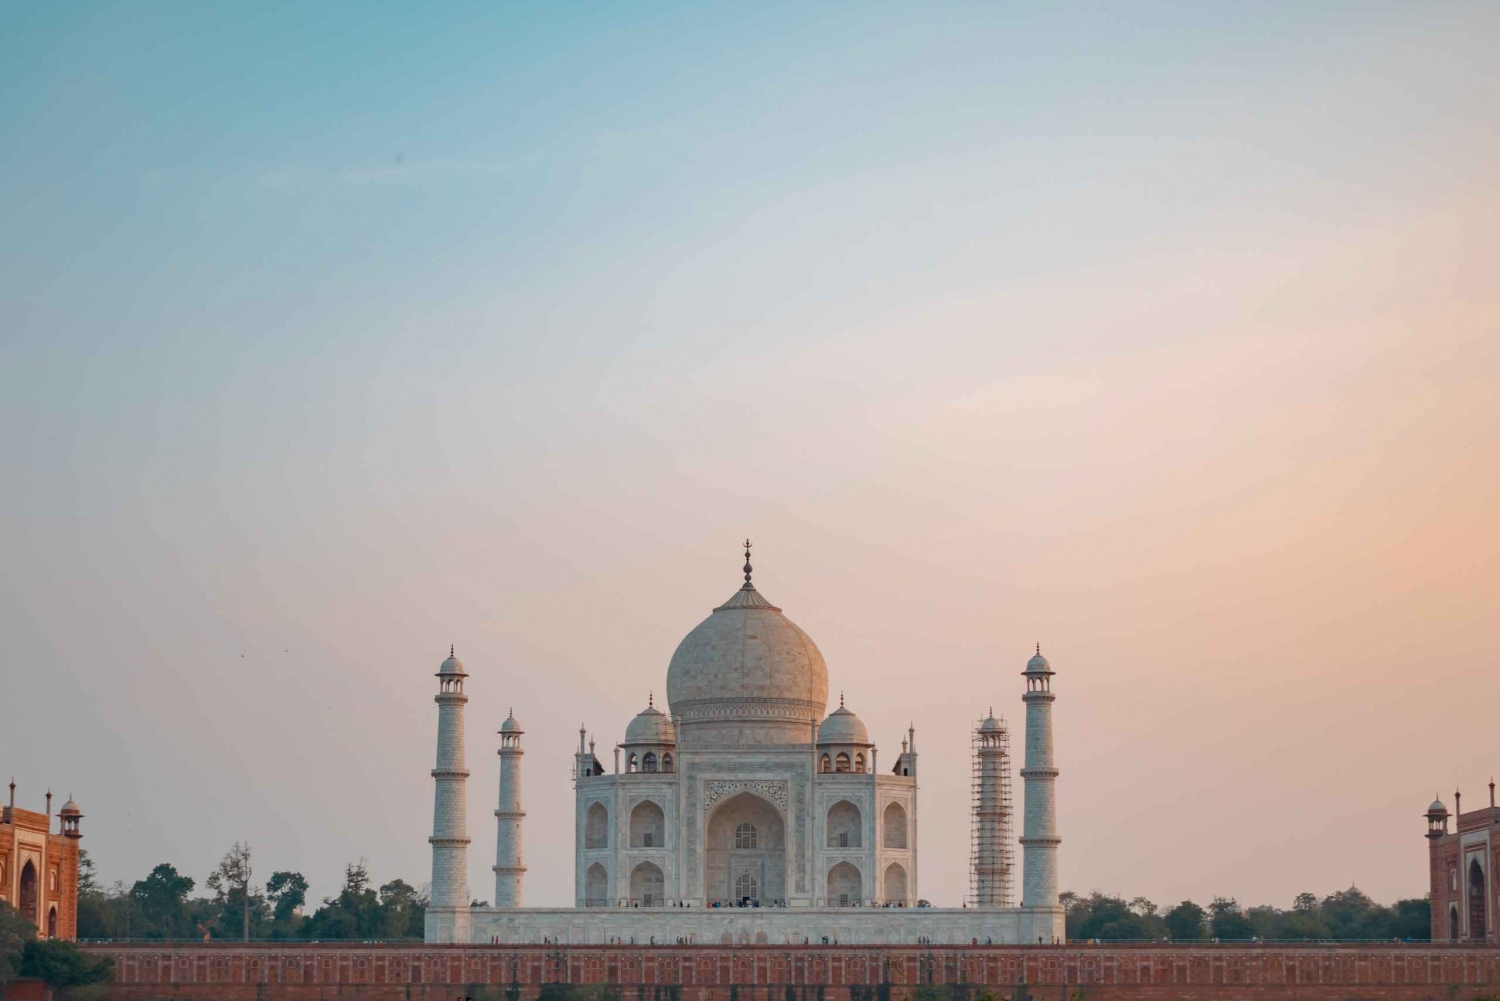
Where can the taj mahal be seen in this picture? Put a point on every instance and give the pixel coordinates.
(745, 812)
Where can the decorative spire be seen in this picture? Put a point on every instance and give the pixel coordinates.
(748, 568)
(651, 700)
(512, 712)
(450, 650)
(1039, 649)
(841, 700)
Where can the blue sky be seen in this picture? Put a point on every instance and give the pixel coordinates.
(331, 334)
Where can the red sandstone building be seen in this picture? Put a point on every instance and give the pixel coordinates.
(1465, 900)
(39, 869)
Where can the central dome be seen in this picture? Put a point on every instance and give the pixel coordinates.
(748, 674)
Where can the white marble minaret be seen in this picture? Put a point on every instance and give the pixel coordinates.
(509, 869)
(450, 836)
(992, 824)
(1039, 842)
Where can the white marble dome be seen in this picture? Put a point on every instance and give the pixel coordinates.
(651, 726)
(750, 664)
(843, 727)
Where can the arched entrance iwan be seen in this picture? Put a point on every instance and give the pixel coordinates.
(745, 852)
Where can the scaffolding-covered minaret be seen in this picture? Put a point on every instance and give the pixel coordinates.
(509, 870)
(1039, 842)
(991, 858)
(450, 835)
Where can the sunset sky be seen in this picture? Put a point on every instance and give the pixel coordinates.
(1165, 335)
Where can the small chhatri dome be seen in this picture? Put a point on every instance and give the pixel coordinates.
(1038, 664)
(510, 725)
(70, 808)
(843, 727)
(1437, 807)
(990, 724)
(452, 665)
(651, 726)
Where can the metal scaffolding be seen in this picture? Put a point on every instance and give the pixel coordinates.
(991, 854)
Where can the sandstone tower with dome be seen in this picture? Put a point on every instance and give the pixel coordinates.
(744, 813)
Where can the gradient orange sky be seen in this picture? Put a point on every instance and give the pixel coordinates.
(1168, 339)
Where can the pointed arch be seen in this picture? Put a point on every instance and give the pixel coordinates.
(596, 826)
(647, 885)
(845, 887)
(895, 826)
(648, 825)
(895, 883)
(1476, 900)
(845, 825)
(28, 895)
(596, 886)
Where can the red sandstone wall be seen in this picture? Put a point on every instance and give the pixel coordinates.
(216, 972)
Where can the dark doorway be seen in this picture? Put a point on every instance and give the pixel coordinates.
(1476, 900)
(28, 894)
(52, 922)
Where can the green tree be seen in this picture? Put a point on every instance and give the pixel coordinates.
(1349, 914)
(1412, 919)
(95, 909)
(1227, 922)
(1187, 922)
(288, 891)
(160, 901)
(238, 904)
(405, 909)
(354, 913)
(63, 964)
(15, 932)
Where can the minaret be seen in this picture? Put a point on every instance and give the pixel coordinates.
(1039, 842)
(992, 815)
(508, 868)
(450, 836)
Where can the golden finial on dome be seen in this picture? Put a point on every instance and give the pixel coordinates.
(748, 568)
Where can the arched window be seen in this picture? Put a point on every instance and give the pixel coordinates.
(52, 923)
(666, 762)
(648, 763)
(746, 887)
(844, 886)
(596, 827)
(844, 825)
(859, 762)
(895, 884)
(895, 826)
(744, 835)
(647, 885)
(827, 765)
(1453, 929)
(841, 763)
(596, 887)
(647, 826)
(631, 764)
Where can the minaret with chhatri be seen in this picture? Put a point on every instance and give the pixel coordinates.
(448, 914)
(509, 870)
(1039, 842)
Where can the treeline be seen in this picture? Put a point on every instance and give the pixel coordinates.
(162, 905)
(1347, 915)
(61, 964)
